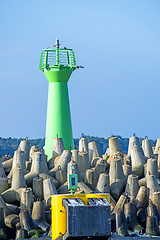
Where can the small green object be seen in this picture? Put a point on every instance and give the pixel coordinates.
(58, 65)
(72, 182)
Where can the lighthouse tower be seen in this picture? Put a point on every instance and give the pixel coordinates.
(58, 65)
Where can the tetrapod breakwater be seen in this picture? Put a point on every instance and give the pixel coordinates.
(28, 181)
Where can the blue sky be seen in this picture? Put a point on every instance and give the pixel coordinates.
(117, 42)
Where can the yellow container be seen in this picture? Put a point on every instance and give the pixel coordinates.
(59, 214)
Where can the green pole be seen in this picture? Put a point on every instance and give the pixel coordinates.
(58, 65)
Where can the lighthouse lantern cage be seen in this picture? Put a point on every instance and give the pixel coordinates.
(57, 58)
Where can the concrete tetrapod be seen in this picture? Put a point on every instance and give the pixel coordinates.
(91, 178)
(152, 210)
(38, 187)
(19, 160)
(27, 221)
(84, 188)
(83, 145)
(63, 160)
(132, 186)
(46, 175)
(132, 140)
(137, 159)
(152, 184)
(157, 146)
(153, 218)
(58, 147)
(29, 178)
(147, 148)
(152, 227)
(142, 197)
(127, 169)
(53, 171)
(93, 150)
(94, 161)
(60, 175)
(49, 189)
(156, 200)
(83, 161)
(74, 154)
(33, 149)
(25, 146)
(18, 182)
(121, 223)
(7, 165)
(12, 220)
(39, 165)
(26, 202)
(119, 206)
(117, 178)
(130, 214)
(100, 167)
(142, 182)
(38, 215)
(103, 183)
(141, 216)
(120, 203)
(56, 159)
(114, 146)
(63, 189)
(152, 167)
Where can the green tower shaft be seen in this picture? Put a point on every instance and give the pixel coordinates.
(58, 117)
(57, 65)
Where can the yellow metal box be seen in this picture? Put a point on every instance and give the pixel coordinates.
(59, 213)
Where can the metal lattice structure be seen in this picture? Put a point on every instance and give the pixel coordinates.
(57, 58)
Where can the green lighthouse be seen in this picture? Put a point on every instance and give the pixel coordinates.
(58, 65)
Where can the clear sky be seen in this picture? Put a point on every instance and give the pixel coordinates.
(118, 43)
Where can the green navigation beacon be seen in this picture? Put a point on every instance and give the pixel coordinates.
(57, 65)
(72, 178)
